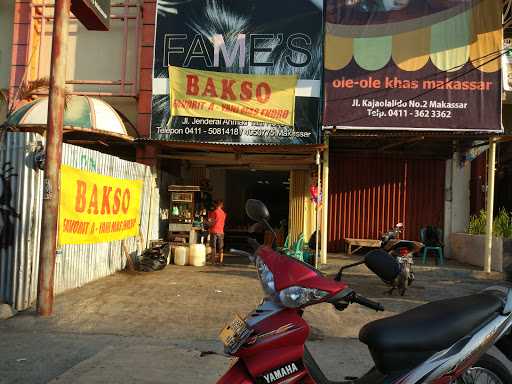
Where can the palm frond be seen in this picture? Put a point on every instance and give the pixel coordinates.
(39, 87)
(33, 88)
(3, 98)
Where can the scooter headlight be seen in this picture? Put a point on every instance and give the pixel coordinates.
(295, 297)
(266, 277)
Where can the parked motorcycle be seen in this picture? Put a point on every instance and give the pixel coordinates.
(460, 341)
(403, 251)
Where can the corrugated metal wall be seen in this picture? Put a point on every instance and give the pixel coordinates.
(76, 265)
(20, 219)
(368, 195)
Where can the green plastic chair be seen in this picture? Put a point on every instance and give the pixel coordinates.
(309, 257)
(286, 246)
(297, 251)
(298, 248)
(427, 248)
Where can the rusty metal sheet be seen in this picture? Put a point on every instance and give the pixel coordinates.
(21, 192)
(368, 195)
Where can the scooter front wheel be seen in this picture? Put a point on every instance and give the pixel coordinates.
(487, 370)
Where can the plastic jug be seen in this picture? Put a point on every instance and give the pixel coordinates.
(197, 255)
(172, 253)
(181, 255)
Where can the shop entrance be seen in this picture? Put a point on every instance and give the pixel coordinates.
(236, 186)
(280, 179)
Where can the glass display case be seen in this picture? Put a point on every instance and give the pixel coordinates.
(185, 204)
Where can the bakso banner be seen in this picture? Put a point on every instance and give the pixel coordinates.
(248, 45)
(96, 208)
(218, 95)
(430, 65)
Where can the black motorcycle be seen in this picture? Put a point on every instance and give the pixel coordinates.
(400, 250)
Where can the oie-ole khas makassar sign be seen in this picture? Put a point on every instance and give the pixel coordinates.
(241, 72)
(95, 208)
(413, 65)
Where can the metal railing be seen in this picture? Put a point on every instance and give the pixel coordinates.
(125, 12)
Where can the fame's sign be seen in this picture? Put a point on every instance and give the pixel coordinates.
(239, 72)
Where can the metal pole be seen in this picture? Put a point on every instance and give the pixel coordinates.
(325, 202)
(51, 182)
(317, 211)
(490, 204)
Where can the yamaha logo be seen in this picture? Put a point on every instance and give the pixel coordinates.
(280, 373)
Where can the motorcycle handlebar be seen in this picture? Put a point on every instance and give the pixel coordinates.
(253, 243)
(240, 252)
(349, 296)
(366, 302)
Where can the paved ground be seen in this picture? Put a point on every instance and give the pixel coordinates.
(161, 327)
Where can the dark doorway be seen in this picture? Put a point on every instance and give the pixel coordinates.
(271, 187)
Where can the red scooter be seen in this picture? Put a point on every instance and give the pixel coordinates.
(447, 341)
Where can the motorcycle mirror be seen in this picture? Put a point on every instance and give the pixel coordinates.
(382, 264)
(256, 210)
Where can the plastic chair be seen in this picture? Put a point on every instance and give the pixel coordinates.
(297, 251)
(298, 248)
(309, 256)
(286, 246)
(434, 248)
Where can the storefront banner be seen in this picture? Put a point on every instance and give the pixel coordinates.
(250, 43)
(96, 208)
(217, 95)
(428, 65)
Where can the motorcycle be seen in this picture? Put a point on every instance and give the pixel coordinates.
(402, 251)
(465, 340)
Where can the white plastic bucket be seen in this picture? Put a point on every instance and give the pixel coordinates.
(181, 255)
(197, 255)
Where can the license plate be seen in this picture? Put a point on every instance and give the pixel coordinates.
(234, 334)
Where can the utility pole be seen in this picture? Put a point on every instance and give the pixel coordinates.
(490, 204)
(317, 207)
(51, 193)
(325, 201)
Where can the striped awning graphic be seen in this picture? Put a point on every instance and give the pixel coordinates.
(468, 32)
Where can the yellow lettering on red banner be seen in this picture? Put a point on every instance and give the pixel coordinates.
(96, 208)
(218, 95)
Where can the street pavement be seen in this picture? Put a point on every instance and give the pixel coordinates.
(161, 327)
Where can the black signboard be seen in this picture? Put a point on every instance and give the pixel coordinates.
(251, 37)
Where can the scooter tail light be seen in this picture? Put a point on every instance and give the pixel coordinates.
(404, 251)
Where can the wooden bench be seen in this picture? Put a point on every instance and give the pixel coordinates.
(360, 243)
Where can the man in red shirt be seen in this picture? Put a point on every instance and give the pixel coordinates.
(217, 218)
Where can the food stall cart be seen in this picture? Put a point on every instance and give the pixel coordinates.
(186, 218)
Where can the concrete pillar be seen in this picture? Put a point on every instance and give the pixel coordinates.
(490, 204)
(325, 202)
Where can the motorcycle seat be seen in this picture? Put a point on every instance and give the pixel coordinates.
(403, 341)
